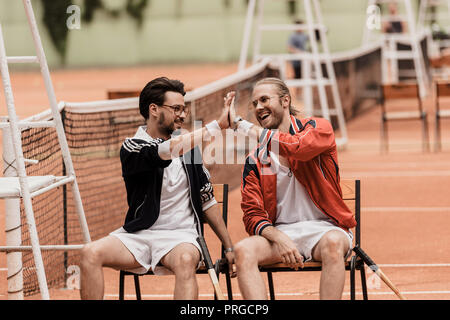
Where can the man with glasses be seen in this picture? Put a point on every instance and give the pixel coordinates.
(291, 198)
(169, 193)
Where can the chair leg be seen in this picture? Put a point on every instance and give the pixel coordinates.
(437, 146)
(229, 288)
(426, 139)
(363, 282)
(137, 287)
(384, 136)
(352, 278)
(121, 285)
(271, 288)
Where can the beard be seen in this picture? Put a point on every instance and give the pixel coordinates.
(274, 120)
(165, 129)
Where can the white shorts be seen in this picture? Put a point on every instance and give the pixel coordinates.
(149, 246)
(306, 234)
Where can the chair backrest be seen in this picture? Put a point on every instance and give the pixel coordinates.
(398, 91)
(444, 60)
(401, 90)
(351, 194)
(221, 195)
(436, 62)
(442, 90)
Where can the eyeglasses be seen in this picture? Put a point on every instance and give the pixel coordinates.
(178, 109)
(263, 100)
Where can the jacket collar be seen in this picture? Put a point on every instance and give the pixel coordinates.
(262, 152)
(142, 134)
(296, 125)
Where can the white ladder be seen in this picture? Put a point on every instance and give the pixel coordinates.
(311, 61)
(25, 187)
(424, 19)
(391, 55)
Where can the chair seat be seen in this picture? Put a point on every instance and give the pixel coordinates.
(403, 115)
(308, 266)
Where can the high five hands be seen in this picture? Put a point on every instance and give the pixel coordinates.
(226, 119)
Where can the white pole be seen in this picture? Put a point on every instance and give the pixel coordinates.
(384, 61)
(247, 31)
(316, 59)
(12, 224)
(57, 118)
(422, 14)
(258, 33)
(419, 66)
(331, 73)
(307, 89)
(392, 44)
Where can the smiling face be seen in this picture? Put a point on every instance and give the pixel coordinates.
(164, 116)
(270, 109)
(174, 99)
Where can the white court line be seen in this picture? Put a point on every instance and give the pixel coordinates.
(346, 165)
(393, 174)
(413, 265)
(360, 293)
(286, 294)
(405, 209)
(399, 142)
(403, 292)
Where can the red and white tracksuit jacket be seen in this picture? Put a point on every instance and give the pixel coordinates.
(310, 148)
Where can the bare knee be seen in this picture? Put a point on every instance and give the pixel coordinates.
(244, 256)
(333, 247)
(91, 255)
(185, 265)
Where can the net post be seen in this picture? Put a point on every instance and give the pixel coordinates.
(64, 190)
(13, 228)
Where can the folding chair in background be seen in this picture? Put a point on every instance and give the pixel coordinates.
(221, 196)
(401, 91)
(442, 91)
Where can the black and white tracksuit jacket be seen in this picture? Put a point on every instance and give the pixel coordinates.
(143, 170)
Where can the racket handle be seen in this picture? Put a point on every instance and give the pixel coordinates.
(215, 282)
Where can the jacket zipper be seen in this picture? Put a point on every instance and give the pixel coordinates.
(137, 209)
(190, 198)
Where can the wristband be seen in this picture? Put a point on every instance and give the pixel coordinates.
(244, 126)
(213, 127)
(228, 250)
(236, 121)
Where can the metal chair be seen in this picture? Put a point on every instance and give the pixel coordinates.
(402, 91)
(442, 90)
(221, 196)
(352, 197)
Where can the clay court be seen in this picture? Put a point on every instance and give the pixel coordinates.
(405, 209)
